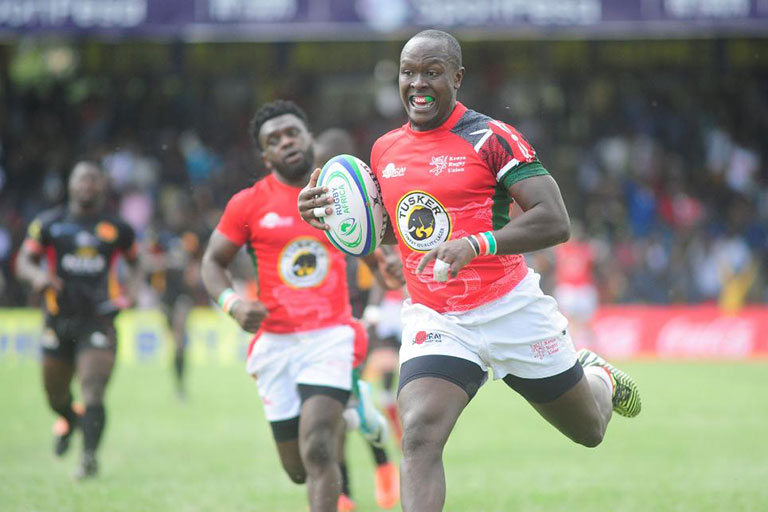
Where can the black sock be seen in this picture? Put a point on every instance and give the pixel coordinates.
(178, 366)
(379, 455)
(67, 413)
(344, 479)
(93, 426)
(388, 380)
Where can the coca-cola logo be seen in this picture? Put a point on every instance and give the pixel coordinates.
(729, 337)
(618, 336)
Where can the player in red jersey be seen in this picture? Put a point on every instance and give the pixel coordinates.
(575, 288)
(447, 179)
(81, 298)
(304, 352)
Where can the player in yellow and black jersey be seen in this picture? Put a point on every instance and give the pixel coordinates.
(81, 296)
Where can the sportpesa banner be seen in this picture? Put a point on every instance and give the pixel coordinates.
(372, 19)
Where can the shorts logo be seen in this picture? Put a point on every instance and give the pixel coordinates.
(422, 221)
(99, 340)
(544, 348)
(422, 337)
(390, 171)
(49, 339)
(303, 263)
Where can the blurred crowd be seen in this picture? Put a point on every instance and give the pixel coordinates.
(666, 170)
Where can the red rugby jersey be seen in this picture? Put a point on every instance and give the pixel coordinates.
(302, 277)
(448, 183)
(574, 262)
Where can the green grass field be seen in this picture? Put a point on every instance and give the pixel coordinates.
(699, 445)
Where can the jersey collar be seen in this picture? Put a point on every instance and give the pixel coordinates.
(448, 125)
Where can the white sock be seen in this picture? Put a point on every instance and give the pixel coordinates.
(352, 419)
(601, 372)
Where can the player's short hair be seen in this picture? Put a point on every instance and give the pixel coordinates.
(452, 46)
(274, 109)
(85, 162)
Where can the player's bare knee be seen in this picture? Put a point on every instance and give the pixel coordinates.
(590, 436)
(297, 476)
(421, 434)
(318, 449)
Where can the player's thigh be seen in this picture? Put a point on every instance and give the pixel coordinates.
(321, 409)
(94, 369)
(96, 351)
(320, 428)
(429, 407)
(57, 375)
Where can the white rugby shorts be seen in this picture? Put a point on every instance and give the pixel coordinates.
(389, 324)
(280, 362)
(521, 333)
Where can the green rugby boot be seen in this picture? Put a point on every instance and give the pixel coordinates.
(626, 397)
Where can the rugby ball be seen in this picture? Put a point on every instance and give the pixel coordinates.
(359, 220)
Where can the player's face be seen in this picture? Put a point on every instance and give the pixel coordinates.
(287, 147)
(86, 186)
(428, 83)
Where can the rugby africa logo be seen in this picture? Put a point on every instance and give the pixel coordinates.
(351, 235)
(422, 221)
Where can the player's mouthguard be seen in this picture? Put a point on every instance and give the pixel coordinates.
(422, 100)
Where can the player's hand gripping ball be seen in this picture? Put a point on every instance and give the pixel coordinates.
(358, 221)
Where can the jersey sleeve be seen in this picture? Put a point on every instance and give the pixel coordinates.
(508, 155)
(233, 223)
(37, 236)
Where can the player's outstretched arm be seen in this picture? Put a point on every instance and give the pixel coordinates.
(313, 203)
(219, 254)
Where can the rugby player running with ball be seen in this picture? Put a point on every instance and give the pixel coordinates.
(447, 179)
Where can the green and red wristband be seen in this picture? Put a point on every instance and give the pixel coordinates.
(483, 244)
(227, 300)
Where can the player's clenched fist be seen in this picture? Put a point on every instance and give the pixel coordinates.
(313, 202)
(249, 314)
(449, 257)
